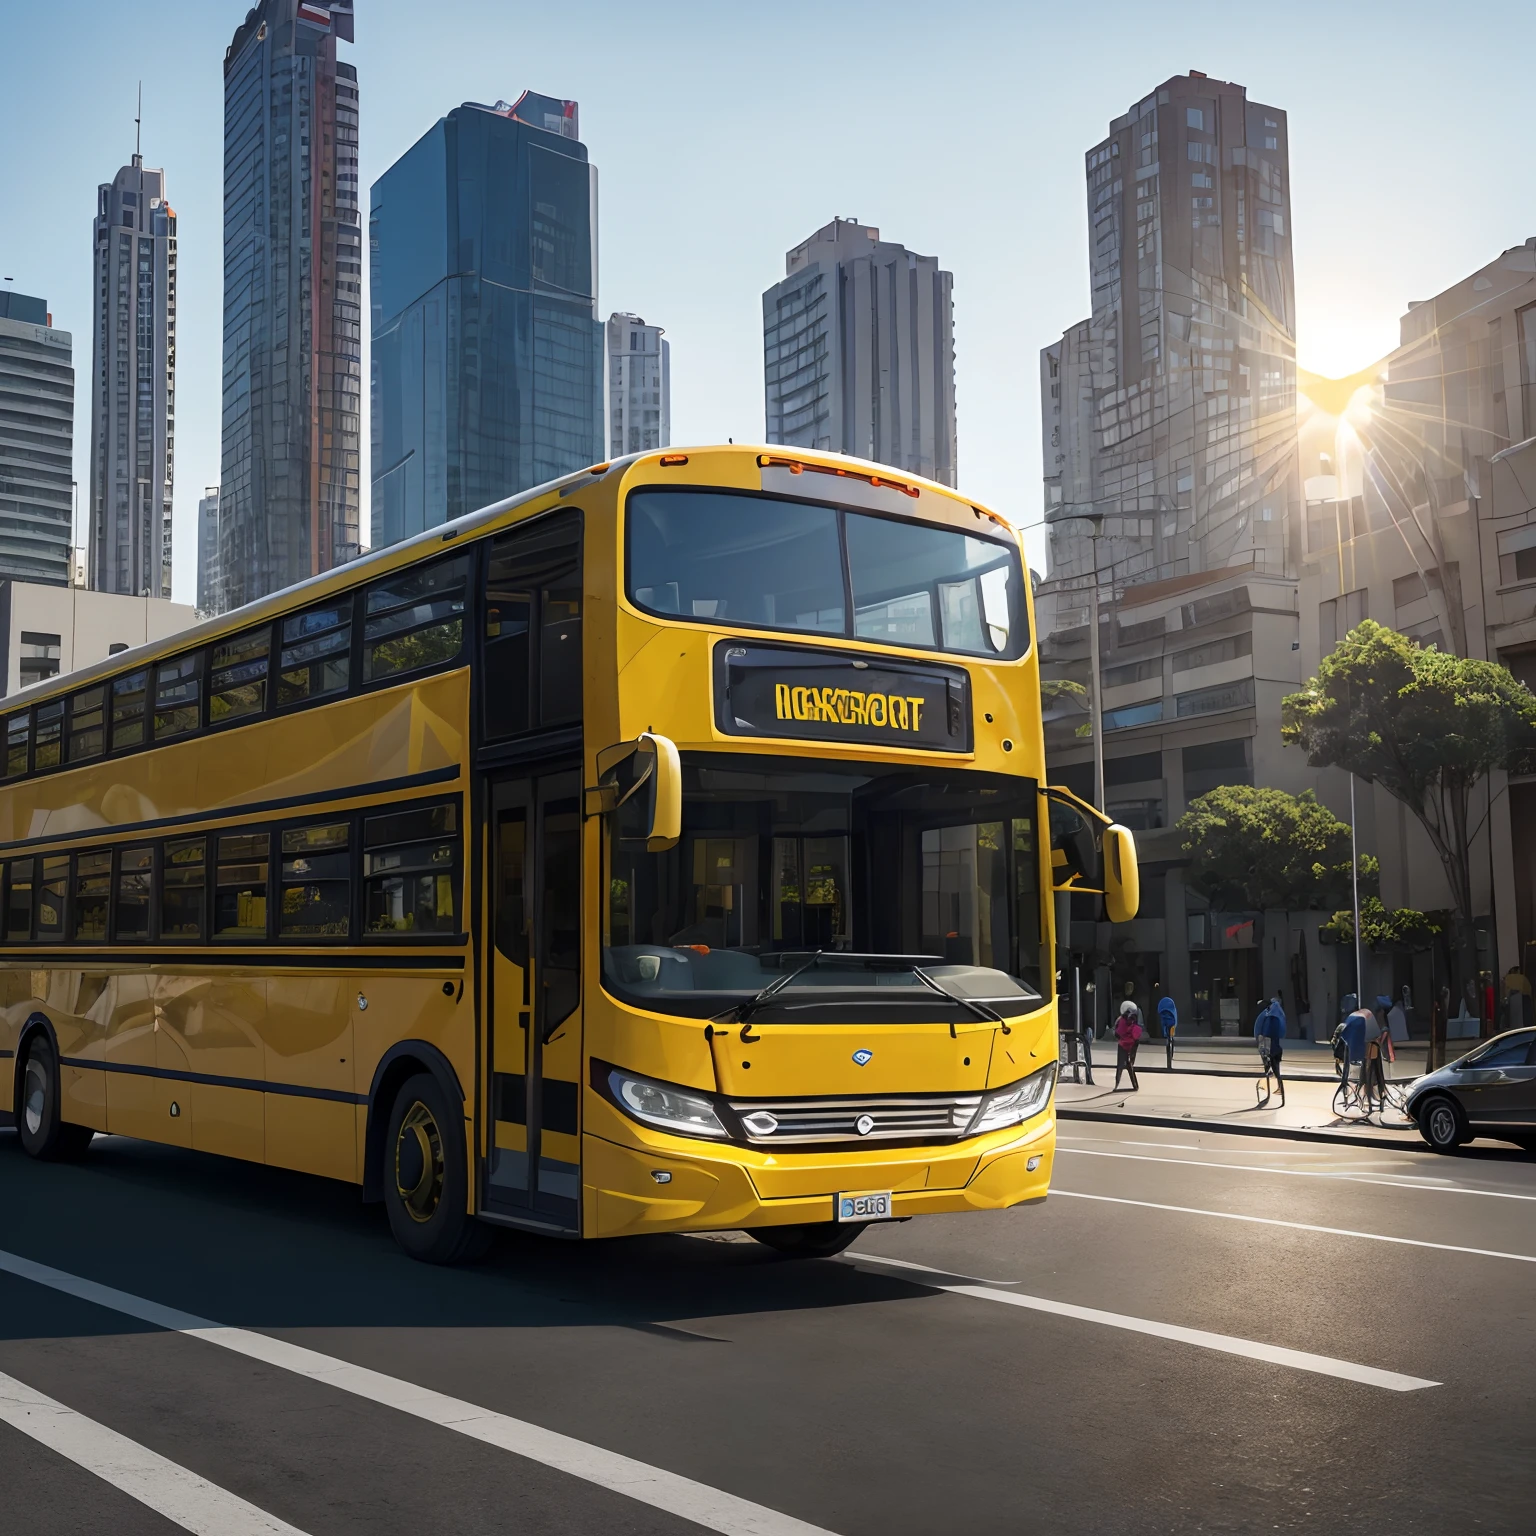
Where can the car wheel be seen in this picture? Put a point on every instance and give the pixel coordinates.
(811, 1240)
(44, 1135)
(1442, 1123)
(426, 1177)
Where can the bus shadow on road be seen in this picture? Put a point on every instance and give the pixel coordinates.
(247, 1245)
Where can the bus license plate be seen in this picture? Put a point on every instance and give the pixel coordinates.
(876, 1207)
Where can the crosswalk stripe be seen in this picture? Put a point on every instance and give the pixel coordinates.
(709, 1507)
(1224, 1343)
(164, 1486)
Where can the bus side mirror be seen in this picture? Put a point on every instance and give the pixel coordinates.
(640, 784)
(1122, 875)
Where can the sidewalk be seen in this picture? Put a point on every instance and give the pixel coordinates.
(1203, 1101)
(1223, 1056)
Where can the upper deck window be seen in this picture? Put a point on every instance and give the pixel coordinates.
(740, 560)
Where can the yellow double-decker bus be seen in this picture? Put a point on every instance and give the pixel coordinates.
(660, 850)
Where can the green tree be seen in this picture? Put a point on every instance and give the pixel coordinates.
(1425, 725)
(1255, 849)
(1382, 926)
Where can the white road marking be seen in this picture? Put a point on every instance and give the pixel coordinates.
(1301, 1226)
(711, 1508)
(1426, 1183)
(169, 1489)
(1171, 1146)
(1227, 1344)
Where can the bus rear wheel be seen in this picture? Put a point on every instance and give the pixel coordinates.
(44, 1133)
(810, 1240)
(426, 1178)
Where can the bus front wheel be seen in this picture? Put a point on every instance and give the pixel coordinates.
(44, 1133)
(426, 1177)
(810, 1240)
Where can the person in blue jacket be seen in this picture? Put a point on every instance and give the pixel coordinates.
(1269, 1035)
(1168, 1022)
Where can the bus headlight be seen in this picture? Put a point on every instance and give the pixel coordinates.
(1015, 1103)
(665, 1106)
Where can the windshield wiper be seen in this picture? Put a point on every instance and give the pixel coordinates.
(743, 1011)
(981, 1010)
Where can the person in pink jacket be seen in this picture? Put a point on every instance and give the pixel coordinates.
(1128, 1033)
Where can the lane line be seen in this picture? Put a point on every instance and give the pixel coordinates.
(1227, 1344)
(164, 1486)
(709, 1507)
(1436, 1188)
(1300, 1226)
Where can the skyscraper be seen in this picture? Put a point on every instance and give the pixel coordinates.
(293, 268)
(639, 386)
(1173, 407)
(209, 598)
(133, 386)
(487, 349)
(859, 351)
(37, 429)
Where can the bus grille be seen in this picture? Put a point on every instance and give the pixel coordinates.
(786, 1122)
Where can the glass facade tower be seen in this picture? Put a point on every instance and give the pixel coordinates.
(289, 484)
(487, 349)
(37, 428)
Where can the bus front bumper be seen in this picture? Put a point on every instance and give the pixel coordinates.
(675, 1184)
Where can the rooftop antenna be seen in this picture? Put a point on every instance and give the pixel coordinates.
(138, 118)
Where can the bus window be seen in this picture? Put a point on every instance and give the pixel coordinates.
(532, 653)
(93, 890)
(317, 883)
(48, 738)
(128, 711)
(240, 887)
(19, 876)
(560, 913)
(184, 885)
(414, 620)
(316, 655)
(18, 735)
(51, 894)
(178, 690)
(86, 719)
(237, 682)
(410, 871)
(135, 888)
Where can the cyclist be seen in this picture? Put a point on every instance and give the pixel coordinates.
(1268, 1034)
(1168, 1017)
(1357, 1029)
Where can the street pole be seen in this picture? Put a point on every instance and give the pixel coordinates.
(1094, 708)
(1354, 883)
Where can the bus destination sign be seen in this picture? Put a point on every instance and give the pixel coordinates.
(789, 691)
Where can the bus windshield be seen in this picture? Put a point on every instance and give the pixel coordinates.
(780, 859)
(743, 559)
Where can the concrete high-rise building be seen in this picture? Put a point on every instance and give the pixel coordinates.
(639, 386)
(1172, 488)
(37, 429)
(293, 266)
(1172, 409)
(209, 598)
(487, 349)
(133, 386)
(859, 351)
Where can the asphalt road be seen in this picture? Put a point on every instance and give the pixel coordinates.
(1356, 1353)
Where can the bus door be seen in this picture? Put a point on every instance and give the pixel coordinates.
(534, 1162)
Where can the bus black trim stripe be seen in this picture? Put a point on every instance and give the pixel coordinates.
(255, 959)
(249, 1084)
(247, 810)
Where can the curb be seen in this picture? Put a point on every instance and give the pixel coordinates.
(1217, 1127)
(1250, 1073)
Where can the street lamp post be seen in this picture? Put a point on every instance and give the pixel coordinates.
(1095, 707)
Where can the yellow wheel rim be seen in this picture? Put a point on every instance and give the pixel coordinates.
(419, 1163)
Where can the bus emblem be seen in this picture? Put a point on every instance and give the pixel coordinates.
(862, 1058)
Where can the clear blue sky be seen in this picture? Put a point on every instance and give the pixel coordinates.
(725, 133)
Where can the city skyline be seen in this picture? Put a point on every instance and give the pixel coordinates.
(1356, 270)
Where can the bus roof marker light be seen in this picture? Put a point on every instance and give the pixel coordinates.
(668, 460)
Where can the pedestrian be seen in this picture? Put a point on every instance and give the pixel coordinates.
(1085, 1035)
(1128, 1033)
(1377, 1043)
(1268, 1034)
(1168, 1017)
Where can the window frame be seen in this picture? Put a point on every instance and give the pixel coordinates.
(378, 936)
(114, 911)
(352, 820)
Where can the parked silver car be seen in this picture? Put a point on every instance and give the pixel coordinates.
(1491, 1091)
